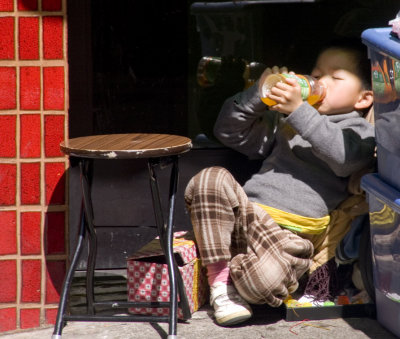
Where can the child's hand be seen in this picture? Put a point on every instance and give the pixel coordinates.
(274, 70)
(287, 95)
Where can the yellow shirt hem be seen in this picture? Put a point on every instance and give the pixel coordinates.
(297, 223)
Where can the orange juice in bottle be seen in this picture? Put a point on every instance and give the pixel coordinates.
(311, 89)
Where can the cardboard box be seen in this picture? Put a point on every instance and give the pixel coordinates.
(148, 278)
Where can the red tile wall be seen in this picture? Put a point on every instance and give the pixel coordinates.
(54, 279)
(33, 199)
(8, 281)
(51, 5)
(53, 37)
(30, 318)
(7, 40)
(55, 226)
(50, 316)
(55, 183)
(8, 319)
(8, 180)
(31, 281)
(7, 136)
(27, 5)
(53, 135)
(31, 237)
(6, 5)
(8, 88)
(8, 238)
(28, 39)
(30, 136)
(53, 88)
(30, 88)
(30, 183)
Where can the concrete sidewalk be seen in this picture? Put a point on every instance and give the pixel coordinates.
(266, 323)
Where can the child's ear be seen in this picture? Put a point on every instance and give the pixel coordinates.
(365, 100)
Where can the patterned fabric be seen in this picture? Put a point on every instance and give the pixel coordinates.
(149, 282)
(266, 261)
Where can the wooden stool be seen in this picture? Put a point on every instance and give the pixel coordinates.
(159, 150)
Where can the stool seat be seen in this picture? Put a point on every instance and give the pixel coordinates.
(126, 146)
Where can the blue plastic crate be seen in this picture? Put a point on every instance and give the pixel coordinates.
(384, 211)
(384, 52)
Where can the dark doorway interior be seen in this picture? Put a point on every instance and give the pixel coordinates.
(140, 66)
(128, 66)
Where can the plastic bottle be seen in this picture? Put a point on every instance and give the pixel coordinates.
(207, 70)
(311, 89)
(209, 66)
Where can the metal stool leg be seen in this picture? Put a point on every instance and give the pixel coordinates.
(86, 168)
(166, 239)
(86, 223)
(166, 244)
(68, 279)
(184, 303)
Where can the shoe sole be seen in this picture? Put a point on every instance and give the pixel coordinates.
(233, 319)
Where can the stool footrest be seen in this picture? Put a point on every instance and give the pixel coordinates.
(126, 304)
(117, 318)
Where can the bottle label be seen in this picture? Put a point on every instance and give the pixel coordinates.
(304, 85)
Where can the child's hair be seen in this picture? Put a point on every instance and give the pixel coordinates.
(359, 52)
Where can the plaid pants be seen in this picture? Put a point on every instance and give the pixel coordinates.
(265, 260)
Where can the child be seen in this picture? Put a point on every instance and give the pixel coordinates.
(253, 240)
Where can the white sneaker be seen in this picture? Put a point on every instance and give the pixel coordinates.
(230, 308)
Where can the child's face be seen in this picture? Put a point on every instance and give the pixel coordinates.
(335, 68)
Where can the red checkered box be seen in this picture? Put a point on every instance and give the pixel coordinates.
(148, 278)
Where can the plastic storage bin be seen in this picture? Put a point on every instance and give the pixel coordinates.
(384, 52)
(384, 211)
